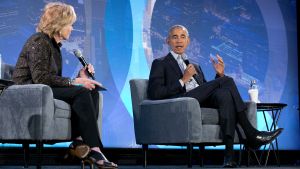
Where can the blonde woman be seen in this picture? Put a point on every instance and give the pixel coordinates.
(40, 61)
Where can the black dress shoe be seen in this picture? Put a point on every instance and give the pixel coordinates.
(229, 163)
(264, 137)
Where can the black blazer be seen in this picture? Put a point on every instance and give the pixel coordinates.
(40, 61)
(164, 78)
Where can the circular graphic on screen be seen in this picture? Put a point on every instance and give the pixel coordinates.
(235, 30)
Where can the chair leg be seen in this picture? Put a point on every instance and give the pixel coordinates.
(145, 149)
(26, 154)
(240, 155)
(202, 149)
(190, 152)
(39, 148)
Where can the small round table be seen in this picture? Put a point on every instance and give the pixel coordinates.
(275, 109)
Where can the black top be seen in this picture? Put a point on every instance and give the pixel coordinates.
(40, 62)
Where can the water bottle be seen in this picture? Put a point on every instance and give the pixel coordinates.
(253, 84)
(253, 91)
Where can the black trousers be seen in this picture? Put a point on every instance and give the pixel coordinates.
(222, 94)
(85, 108)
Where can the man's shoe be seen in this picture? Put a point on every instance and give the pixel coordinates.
(229, 163)
(264, 137)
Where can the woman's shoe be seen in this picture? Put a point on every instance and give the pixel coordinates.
(79, 149)
(95, 157)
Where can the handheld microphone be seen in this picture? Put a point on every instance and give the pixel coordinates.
(185, 59)
(79, 55)
(187, 62)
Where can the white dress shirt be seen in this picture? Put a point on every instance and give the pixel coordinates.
(191, 84)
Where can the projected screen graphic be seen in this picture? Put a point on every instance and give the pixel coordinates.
(257, 40)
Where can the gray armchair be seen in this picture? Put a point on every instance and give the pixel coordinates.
(178, 121)
(30, 115)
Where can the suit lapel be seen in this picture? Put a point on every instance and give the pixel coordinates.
(173, 63)
(199, 77)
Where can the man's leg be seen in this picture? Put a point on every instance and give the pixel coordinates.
(237, 101)
(222, 99)
(204, 91)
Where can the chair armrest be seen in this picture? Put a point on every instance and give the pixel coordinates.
(27, 112)
(99, 120)
(168, 121)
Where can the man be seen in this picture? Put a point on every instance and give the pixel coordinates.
(173, 76)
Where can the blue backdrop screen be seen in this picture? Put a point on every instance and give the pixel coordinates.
(257, 40)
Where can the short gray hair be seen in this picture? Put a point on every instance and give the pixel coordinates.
(180, 27)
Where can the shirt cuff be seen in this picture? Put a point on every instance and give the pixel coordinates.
(181, 82)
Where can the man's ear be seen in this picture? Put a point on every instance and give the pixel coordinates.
(188, 40)
(167, 40)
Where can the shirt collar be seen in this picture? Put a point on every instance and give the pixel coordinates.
(58, 45)
(175, 55)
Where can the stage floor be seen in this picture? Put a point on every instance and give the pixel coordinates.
(149, 167)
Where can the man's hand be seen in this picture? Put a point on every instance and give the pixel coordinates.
(83, 72)
(188, 73)
(87, 83)
(218, 65)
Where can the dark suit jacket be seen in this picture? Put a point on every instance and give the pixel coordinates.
(164, 78)
(40, 61)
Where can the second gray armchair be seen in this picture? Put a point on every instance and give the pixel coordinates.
(178, 121)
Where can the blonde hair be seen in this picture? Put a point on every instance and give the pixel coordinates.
(56, 15)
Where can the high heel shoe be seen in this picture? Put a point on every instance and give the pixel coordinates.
(95, 157)
(78, 149)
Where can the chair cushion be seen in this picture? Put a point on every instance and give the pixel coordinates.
(210, 116)
(62, 109)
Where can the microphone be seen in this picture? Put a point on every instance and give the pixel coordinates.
(79, 55)
(185, 59)
(187, 62)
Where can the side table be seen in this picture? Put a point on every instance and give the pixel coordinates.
(275, 110)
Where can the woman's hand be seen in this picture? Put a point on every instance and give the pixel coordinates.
(218, 65)
(86, 82)
(83, 72)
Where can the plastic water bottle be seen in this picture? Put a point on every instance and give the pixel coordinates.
(253, 91)
(253, 84)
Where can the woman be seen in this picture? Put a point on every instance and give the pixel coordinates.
(40, 61)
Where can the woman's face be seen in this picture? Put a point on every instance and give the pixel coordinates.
(66, 31)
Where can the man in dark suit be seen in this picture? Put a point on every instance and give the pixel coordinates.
(173, 76)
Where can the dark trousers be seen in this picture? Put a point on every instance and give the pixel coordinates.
(222, 94)
(85, 108)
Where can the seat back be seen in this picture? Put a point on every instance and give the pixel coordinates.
(138, 89)
(6, 71)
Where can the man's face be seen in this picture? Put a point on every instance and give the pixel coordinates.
(178, 40)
